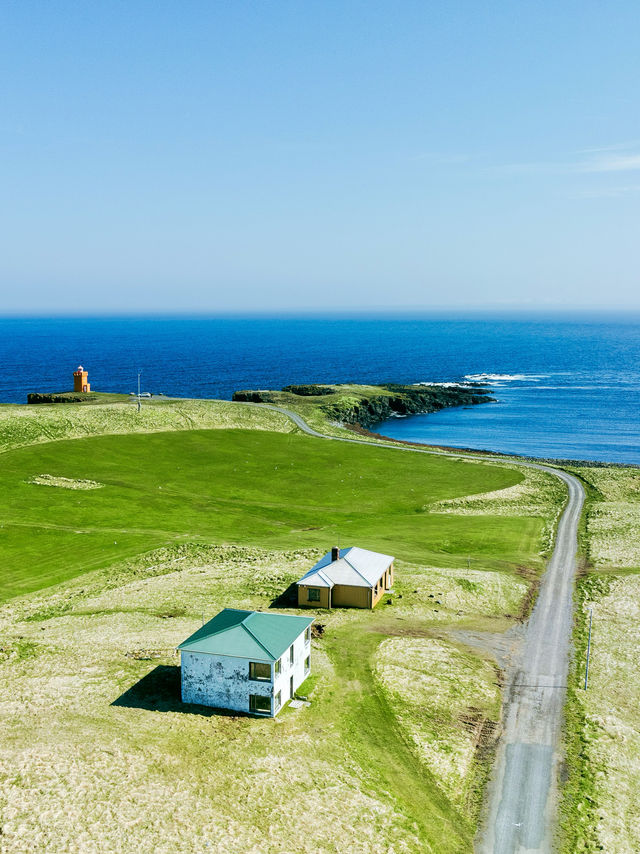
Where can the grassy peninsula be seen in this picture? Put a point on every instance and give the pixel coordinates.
(121, 529)
(363, 405)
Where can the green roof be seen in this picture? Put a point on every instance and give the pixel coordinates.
(247, 634)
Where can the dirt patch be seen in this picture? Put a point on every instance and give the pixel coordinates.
(148, 654)
(526, 606)
(64, 482)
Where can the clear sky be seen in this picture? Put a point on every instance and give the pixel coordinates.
(225, 155)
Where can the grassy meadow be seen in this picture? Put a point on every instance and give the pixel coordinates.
(242, 486)
(100, 755)
(603, 723)
(115, 544)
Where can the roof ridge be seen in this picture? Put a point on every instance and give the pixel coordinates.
(254, 636)
(215, 632)
(357, 571)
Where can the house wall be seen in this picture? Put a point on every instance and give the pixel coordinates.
(346, 596)
(303, 597)
(301, 649)
(222, 681)
(377, 597)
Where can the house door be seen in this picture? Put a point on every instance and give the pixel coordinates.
(291, 688)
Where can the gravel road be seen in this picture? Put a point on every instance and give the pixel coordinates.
(522, 795)
(521, 804)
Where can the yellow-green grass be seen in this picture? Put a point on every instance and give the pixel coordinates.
(602, 792)
(612, 516)
(250, 487)
(98, 754)
(311, 408)
(26, 425)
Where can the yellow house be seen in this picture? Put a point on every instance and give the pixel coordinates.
(348, 578)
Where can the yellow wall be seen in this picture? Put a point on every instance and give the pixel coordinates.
(303, 597)
(346, 596)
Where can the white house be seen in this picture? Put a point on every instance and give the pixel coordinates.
(246, 661)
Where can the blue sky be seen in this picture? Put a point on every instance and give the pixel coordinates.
(300, 156)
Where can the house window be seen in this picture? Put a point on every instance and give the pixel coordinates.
(278, 667)
(278, 700)
(259, 705)
(259, 671)
(307, 635)
(307, 664)
(291, 654)
(313, 594)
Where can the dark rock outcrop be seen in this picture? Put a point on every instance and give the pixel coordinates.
(350, 407)
(405, 400)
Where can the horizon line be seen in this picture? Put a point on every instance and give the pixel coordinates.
(401, 313)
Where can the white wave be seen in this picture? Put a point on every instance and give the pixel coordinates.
(444, 385)
(504, 377)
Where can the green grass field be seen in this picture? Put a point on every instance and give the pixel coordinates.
(253, 487)
(101, 583)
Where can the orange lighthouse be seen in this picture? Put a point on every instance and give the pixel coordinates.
(80, 379)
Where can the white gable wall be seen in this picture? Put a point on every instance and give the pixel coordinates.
(301, 650)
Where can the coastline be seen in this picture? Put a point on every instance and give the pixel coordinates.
(552, 461)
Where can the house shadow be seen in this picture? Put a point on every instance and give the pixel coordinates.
(159, 691)
(287, 599)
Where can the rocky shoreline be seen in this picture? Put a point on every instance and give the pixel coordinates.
(348, 406)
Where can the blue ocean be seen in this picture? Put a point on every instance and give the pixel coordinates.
(567, 389)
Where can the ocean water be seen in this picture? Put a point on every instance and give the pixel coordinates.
(565, 388)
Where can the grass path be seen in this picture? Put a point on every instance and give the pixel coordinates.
(379, 744)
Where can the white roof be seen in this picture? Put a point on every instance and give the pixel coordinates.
(355, 568)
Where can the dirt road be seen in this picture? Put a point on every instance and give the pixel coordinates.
(522, 793)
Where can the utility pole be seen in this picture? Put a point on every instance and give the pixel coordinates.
(139, 372)
(586, 672)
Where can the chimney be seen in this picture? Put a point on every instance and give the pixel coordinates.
(335, 553)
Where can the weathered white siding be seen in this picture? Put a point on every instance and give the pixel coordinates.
(301, 650)
(223, 682)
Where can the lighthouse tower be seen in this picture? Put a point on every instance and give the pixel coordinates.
(80, 379)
